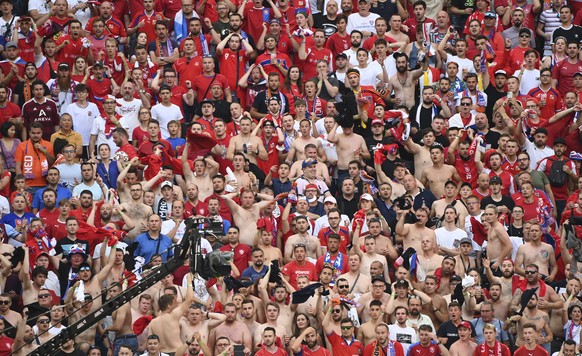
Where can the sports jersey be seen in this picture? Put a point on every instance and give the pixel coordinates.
(418, 350)
(343, 347)
(294, 270)
(234, 63)
(338, 44)
(314, 55)
(46, 113)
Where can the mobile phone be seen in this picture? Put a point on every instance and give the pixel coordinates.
(239, 350)
(509, 95)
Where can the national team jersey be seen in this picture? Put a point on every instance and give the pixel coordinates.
(553, 100)
(418, 350)
(233, 66)
(265, 61)
(253, 17)
(564, 72)
(511, 167)
(314, 55)
(337, 43)
(343, 347)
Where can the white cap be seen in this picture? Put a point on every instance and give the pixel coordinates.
(166, 183)
(366, 196)
(330, 199)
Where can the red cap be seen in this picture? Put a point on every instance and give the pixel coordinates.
(466, 324)
(312, 186)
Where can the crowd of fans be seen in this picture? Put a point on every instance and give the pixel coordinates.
(391, 177)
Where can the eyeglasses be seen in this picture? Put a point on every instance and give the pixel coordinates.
(4, 302)
(524, 36)
(344, 286)
(336, 310)
(346, 327)
(68, 151)
(43, 321)
(86, 268)
(466, 104)
(531, 272)
(42, 296)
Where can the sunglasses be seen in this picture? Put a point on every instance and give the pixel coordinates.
(343, 286)
(4, 302)
(524, 36)
(466, 104)
(42, 296)
(336, 310)
(85, 268)
(531, 272)
(44, 321)
(346, 327)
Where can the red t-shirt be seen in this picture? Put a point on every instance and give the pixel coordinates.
(293, 270)
(48, 216)
(341, 265)
(200, 209)
(228, 64)
(512, 168)
(71, 51)
(188, 69)
(203, 82)
(10, 111)
(265, 60)
(264, 352)
(314, 55)
(537, 351)
(98, 91)
(344, 233)
(117, 67)
(560, 192)
(553, 99)
(564, 72)
(242, 255)
(56, 229)
(340, 347)
(149, 23)
(254, 17)
(506, 180)
(532, 211)
(129, 150)
(337, 44)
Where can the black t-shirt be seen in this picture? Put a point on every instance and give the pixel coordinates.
(64, 245)
(505, 200)
(492, 96)
(426, 115)
(67, 277)
(492, 139)
(261, 104)
(323, 22)
(19, 90)
(74, 353)
(449, 330)
(385, 9)
(573, 34)
(221, 110)
(348, 207)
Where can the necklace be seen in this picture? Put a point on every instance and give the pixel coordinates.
(405, 78)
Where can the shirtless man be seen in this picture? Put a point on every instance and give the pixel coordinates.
(395, 29)
(299, 145)
(537, 317)
(411, 234)
(137, 210)
(358, 281)
(24, 340)
(244, 178)
(498, 244)
(78, 310)
(548, 299)
(31, 286)
(404, 82)
(428, 260)
(204, 170)
(5, 312)
(122, 322)
(450, 198)
(312, 244)
(349, 147)
(249, 317)
(377, 294)
(167, 324)
(272, 313)
(264, 242)
(321, 170)
(537, 252)
(384, 245)
(464, 346)
(370, 255)
(366, 331)
(248, 213)
(143, 308)
(434, 177)
(197, 321)
(500, 306)
(236, 331)
(436, 310)
(247, 143)
(422, 156)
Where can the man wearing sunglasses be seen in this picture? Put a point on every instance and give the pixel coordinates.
(465, 117)
(345, 343)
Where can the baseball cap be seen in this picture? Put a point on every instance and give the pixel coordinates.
(98, 64)
(377, 122)
(206, 101)
(10, 44)
(490, 14)
(329, 200)
(466, 324)
(559, 140)
(524, 30)
(307, 163)
(401, 283)
(275, 20)
(495, 180)
(166, 183)
(500, 72)
(311, 186)
(366, 196)
(577, 73)
(63, 66)
(341, 55)
(466, 240)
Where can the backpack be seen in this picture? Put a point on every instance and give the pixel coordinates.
(557, 176)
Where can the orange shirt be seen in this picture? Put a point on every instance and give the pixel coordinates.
(34, 163)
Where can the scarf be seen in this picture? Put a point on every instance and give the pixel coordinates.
(480, 97)
(204, 44)
(26, 91)
(384, 351)
(159, 49)
(110, 126)
(522, 284)
(337, 264)
(419, 109)
(28, 172)
(570, 331)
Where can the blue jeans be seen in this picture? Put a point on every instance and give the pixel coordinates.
(125, 340)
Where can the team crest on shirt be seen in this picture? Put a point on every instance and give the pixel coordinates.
(241, 252)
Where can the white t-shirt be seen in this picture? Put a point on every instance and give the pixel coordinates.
(95, 189)
(129, 109)
(469, 230)
(406, 336)
(357, 22)
(83, 119)
(529, 80)
(169, 224)
(82, 15)
(353, 57)
(369, 75)
(68, 174)
(98, 130)
(41, 6)
(449, 239)
(536, 154)
(464, 63)
(165, 114)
